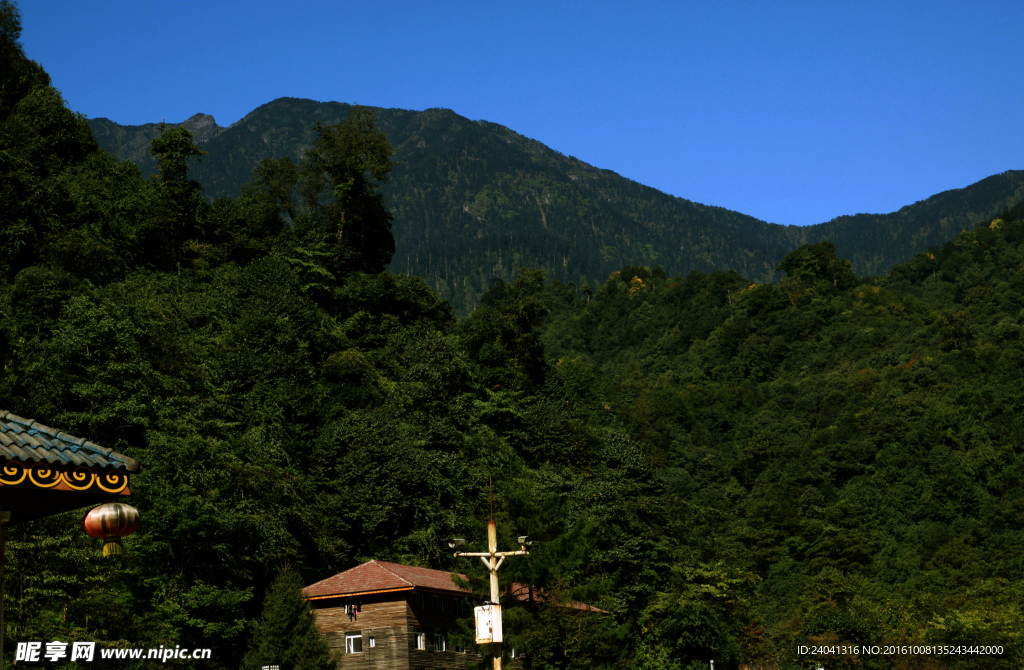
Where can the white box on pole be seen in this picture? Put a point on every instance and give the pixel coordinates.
(488, 624)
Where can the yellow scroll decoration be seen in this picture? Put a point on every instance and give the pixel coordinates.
(79, 479)
(49, 476)
(11, 470)
(117, 481)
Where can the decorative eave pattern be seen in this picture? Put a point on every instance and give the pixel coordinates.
(29, 441)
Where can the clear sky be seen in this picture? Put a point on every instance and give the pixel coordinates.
(793, 112)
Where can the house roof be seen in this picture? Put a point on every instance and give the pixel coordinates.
(381, 576)
(29, 441)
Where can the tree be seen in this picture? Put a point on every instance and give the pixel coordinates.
(286, 635)
(816, 263)
(501, 336)
(18, 74)
(276, 180)
(333, 198)
(175, 148)
(957, 330)
(340, 183)
(177, 222)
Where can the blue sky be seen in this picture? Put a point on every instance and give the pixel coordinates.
(793, 112)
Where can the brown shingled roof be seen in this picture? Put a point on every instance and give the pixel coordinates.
(381, 576)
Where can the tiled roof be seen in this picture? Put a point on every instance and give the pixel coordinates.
(376, 576)
(28, 441)
(381, 576)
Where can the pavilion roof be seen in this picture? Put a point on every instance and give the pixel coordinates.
(29, 441)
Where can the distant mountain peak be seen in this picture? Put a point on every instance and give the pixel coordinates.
(203, 126)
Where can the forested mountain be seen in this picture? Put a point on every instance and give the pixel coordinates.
(858, 447)
(475, 200)
(729, 468)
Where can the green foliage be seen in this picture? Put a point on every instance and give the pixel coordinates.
(336, 190)
(815, 264)
(501, 336)
(175, 149)
(59, 586)
(18, 74)
(286, 634)
(846, 442)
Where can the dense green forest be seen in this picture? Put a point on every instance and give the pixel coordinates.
(728, 468)
(475, 200)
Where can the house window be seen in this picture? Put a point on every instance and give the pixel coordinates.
(458, 647)
(419, 640)
(417, 601)
(353, 643)
(440, 641)
(515, 653)
(438, 604)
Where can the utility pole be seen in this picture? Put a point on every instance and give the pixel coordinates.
(493, 559)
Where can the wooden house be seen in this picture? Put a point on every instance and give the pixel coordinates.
(388, 616)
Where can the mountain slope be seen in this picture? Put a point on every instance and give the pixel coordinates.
(475, 200)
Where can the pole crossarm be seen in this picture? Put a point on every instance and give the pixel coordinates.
(493, 560)
(487, 554)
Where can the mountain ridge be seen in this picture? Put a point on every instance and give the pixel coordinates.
(475, 200)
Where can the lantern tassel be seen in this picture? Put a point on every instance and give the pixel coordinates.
(112, 546)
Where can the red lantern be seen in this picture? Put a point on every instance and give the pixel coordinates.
(111, 522)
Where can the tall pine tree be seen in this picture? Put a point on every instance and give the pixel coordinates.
(286, 634)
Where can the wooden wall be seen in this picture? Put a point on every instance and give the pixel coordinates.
(390, 618)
